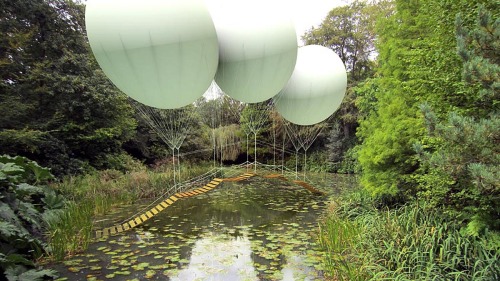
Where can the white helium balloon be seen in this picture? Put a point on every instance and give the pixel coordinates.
(316, 88)
(257, 48)
(162, 53)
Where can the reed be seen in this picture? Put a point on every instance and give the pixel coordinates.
(414, 242)
(70, 231)
(339, 237)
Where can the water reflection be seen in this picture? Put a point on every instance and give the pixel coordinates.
(217, 258)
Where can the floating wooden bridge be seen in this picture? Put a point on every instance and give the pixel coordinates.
(141, 218)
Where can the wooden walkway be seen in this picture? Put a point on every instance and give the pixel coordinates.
(138, 219)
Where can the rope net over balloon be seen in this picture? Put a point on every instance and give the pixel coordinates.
(303, 137)
(221, 113)
(171, 125)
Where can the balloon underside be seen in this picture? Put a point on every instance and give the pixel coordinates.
(161, 53)
(258, 48)
(316, 88)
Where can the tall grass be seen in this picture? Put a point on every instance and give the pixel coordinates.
(413, 242)
(70, 231)
(339, 238)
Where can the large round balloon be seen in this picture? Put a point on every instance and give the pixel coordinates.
(316, 88)
(162, 53)
(257, 48)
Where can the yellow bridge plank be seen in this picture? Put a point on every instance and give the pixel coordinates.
(149, 214)
(154, 211)
(163, 204)
(169, 201)
(98, 234)
(126, 226)
(119, 228)
(132, 223)
(144, 218)
(138, 221)
(173, 198)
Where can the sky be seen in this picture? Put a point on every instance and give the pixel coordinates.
(304, 13)
(308, 13)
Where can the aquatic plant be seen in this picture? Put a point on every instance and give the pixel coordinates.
(70, 231)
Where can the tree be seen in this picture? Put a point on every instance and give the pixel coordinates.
(417, 63)
(349, 31)
(59, 108)
(461, 158)
(221, 116)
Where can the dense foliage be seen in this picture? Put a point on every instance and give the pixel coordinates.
(428, 132)
(349, 31)
(461, 157)
(57, 106)
(431, 115)
(27, 206)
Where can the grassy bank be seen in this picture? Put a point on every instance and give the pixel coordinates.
(413, 242)
(97, 193)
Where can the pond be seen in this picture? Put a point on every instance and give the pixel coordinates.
(257, 229)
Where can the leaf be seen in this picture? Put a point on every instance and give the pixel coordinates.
(24, 189)
(8, 215)
(53, 200)
(52, 217)
(17, 259)
(3, 176)
(34, 274)
(28, 212)
(42, 174)
(28, 170)
(8, 230)
(10, 170)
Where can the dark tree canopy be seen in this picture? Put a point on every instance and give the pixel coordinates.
(57, 105)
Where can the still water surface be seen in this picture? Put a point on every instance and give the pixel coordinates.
(259, 229)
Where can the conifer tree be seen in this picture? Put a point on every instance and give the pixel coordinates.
(464, 167)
